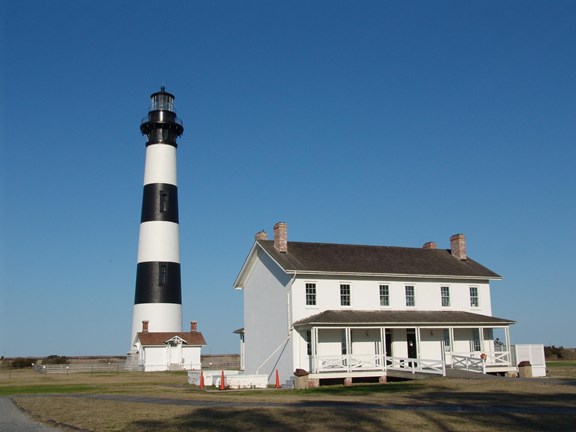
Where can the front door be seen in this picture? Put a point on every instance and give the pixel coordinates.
(388, 336)
(411, 341)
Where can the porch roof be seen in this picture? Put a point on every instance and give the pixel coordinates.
(395, 317)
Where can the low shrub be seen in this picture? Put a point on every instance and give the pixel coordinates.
(22, 362)
(55, 360)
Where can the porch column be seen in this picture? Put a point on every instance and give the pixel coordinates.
(418, 329)
(508, 347)
(383, 353)
(481, 335)
(348, 348)
(314, 348)
(452, 341)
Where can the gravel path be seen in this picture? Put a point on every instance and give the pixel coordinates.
(14, 420)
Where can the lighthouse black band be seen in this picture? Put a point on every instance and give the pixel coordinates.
(158, 282)
(160, 203)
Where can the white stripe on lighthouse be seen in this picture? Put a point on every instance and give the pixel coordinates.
(167, 317)
(159, 242)
(160, 164)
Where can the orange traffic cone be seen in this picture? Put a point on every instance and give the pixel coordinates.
(222, 386)
(201, 379)
(277, 379)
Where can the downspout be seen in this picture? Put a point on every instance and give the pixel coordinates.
(289, 304)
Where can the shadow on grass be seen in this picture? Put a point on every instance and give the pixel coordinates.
(499, 399)
(291, 419)
(299, 417)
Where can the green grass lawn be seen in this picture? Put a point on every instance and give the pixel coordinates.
(561, 363)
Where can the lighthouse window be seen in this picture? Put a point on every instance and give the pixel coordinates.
(163, 276)
(163, 202)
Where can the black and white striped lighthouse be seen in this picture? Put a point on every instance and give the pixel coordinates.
(158, 298)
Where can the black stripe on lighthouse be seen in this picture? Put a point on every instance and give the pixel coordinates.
(160, 203)
(158, 282)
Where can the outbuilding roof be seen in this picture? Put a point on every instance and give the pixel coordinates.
(400, 318)
(161, 338)
(378, 260)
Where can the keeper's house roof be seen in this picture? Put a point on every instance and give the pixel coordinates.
(400, 318)
(378, 260)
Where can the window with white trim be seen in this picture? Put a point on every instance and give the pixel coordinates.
(410, 298)
(310, 294)
(475, 342)
(445, 295)
(344, 295)
(474, 297)
(384, 295)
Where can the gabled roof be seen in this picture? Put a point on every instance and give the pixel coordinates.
(161, 338)
(330, 258)
(396, 317)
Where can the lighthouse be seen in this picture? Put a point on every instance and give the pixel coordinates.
(158, 298)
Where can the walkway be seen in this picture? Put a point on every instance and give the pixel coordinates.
(14, 420)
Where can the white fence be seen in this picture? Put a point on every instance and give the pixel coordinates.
(75, 368)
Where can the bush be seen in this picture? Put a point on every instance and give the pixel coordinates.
(559, 353)
(55, 360)
(21, 363)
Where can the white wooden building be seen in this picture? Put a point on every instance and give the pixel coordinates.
(163, 351)
(351, 311)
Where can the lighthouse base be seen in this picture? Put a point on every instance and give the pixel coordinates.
(161, 317)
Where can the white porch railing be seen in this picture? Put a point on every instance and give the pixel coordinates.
(416, 365)
(357, 363)
(476, 363)
(500, 358)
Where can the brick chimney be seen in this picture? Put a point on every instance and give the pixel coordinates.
(193, 326)
(281, 237)
(458, 246)
(429, 245)
(144, 326)
(261, 235)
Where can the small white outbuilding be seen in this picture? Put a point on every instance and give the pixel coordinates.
(534, 353)
(163, 351)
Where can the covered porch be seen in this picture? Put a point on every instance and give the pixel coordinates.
(349, 344)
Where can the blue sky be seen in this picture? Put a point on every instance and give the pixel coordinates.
(372, 122)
